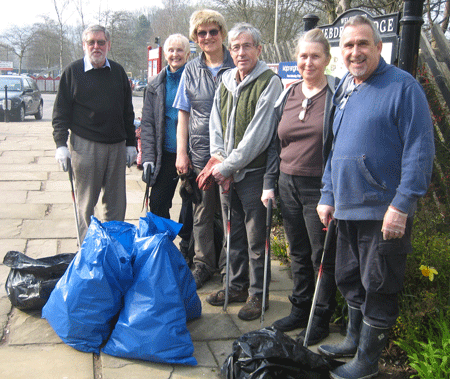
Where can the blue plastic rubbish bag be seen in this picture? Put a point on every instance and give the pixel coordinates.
(89, 295)
(152, 323)
(152, 224)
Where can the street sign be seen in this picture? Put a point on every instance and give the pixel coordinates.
(388, 25)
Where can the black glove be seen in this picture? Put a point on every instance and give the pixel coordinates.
(189, 189)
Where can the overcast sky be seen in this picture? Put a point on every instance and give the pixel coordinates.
(27, 12)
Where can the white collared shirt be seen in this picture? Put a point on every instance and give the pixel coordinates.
(88, 65)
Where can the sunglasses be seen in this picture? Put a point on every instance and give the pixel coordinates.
(302, 113)
(204, 33)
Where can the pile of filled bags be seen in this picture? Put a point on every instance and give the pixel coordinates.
(128, 292)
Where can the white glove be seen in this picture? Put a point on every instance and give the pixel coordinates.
(394, 223)
(131, 155)
(266, 195)
(149, 169)
(62, 155)
(326, 213)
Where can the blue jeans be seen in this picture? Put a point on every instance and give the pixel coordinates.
(299, 196)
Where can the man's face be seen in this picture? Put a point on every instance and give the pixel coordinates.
(96, 48)
(360, 54)
(244, 53)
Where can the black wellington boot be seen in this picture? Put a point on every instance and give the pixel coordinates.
(349, 346)
(298, 318)
(320, 328)
(365, 364)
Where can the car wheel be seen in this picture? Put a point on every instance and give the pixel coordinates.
(40, 113)
(21, 114)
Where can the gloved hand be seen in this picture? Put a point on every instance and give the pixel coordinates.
(148, 171)
(62, 155)
(266, 195)
(394, 223)
(206, 179)
(131, 155)
(326, 213)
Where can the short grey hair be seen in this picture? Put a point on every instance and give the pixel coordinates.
(244, 27)
(362, 20)
(177, 38)
(95, 29)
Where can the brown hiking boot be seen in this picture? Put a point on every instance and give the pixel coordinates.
(218, 298)
(253, 308)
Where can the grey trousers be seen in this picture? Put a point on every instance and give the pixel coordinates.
(203, 228)
(247, 231)
(98, 168)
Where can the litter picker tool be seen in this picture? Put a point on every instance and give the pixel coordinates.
(69, 169)
(328, 239)
(227, 270)
(266, 257)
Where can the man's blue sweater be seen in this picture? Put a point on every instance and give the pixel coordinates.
(383, 146)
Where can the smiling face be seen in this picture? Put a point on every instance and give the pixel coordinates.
(96, 48)
(209, 38)
(175, 55)
(312, 61)
(244, 53)
(359, 51)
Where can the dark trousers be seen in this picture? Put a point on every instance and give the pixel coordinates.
(370, 271)
(162, 194)
(299, 196)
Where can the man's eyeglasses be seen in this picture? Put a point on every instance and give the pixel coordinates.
(92, 42)
(245, 47)
(302, 113)
(204, 33)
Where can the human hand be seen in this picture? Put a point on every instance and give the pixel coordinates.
(131, 155)
(394, 223)
(183, 164)
(148, 171)
(62, 155)
(326, 213)
(266, 195)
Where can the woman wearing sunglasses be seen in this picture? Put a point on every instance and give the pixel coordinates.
(300, 150)
(194, 101)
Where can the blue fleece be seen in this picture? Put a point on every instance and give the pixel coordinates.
(383, 146)
(172, 82)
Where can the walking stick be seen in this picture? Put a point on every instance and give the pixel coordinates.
(227, 270)
(266, 257)
(69, 169)
(328, 238)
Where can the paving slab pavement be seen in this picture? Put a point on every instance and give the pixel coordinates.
(36, 218)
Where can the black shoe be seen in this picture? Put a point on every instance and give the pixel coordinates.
(201, 276)
(218, 298)
(298, 318)
(253, 308)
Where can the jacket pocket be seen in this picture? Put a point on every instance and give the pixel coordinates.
(354, 184)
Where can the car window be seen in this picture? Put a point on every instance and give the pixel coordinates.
(14, 84)
(26, 84)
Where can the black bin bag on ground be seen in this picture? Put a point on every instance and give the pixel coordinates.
(30, 281)
(269, 353)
